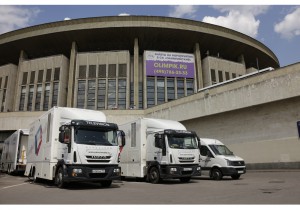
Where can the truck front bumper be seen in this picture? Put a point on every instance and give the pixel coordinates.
(229, 171)
(91, 173)
(178, 171)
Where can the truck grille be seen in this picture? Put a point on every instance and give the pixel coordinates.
(98, 159)
(186, 159)
(238, 163)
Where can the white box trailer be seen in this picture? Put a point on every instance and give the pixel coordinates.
(72, 145)
(218, 161)
(13, 159)
(158, 149)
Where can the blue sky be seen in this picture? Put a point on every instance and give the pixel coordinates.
(276, 26)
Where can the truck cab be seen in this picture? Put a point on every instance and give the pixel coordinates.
(159, 149)
(218, 161)
(173, 154)
(90, 152)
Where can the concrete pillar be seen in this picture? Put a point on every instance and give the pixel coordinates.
(71, 78)
(136, 73)
(16, 102)
(241, 59)
(198, 65)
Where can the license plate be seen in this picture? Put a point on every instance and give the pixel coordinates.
(187, 169)
(98, 171)
(240, 172)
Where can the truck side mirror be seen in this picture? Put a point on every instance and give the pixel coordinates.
(61, 137)
(64, 136)
(121, 138)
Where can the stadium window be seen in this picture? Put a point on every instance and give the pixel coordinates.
(150, 91)
(30, 98)
(38, 98)
(112, 70)
(111, 94)
(32, 77)
(101, 93)
(22, 98)
(102, 71)
(190, 86)
(180, 87)
(171, 89)
(160, 90)
(122, 94)
(46, 97)
(227, 77)
(55, 94)
(40, 76)
(91, 91)
(56, 74)
(48, 75)
(122, 70)
(82, 72)
(220, 74)
(81, 93)
(213, 76)
(92, 71)
(24, 79)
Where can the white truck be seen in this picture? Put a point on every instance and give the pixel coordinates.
(72, 145)
(13, 159)
(159, 149)
(218, 161)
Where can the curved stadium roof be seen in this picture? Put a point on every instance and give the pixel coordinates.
(119, 32)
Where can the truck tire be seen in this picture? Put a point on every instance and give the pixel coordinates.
(106, 183)
(235, 176)
(216, 174)
(33, 175)
(185, 179)
(59, 180)
(154, 176)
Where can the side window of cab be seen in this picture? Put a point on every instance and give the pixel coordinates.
(203, 150)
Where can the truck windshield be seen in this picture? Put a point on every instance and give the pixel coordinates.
(220, 149)
(96, 137)
(182, 142)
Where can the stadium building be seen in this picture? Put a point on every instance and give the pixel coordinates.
(216, 81)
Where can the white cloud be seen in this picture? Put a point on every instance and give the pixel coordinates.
(183, 11)
(15, 17)
(239, 18)
(124, 14)
(289, 27)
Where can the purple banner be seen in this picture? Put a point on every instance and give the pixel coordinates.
(169, 69)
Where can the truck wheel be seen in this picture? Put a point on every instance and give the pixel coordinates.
(236, 176)
(185, 179)
(33, 175)
(154, 177)
(106, 183)
(216, 174)
(59, 181)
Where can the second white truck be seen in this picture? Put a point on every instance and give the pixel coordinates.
(72, 145)
(13, 159)
(159, 149)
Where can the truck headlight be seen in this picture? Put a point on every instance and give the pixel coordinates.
(116, 170)
(229, 163)
(198, 168)
(173, 169)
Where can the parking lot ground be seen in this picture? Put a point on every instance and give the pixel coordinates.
(254, 187)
